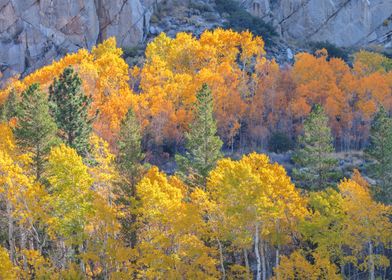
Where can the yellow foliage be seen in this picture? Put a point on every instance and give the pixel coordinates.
(71, 197)
(296, 266)
(7, 270)
(176, 68)
(253, 191)
(170, 246)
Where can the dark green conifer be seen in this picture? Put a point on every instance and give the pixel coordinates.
(36, 129)
(203, 145)
(70, 109)
(379, 153)
(316, 165)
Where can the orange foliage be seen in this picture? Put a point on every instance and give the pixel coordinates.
(253, 96)
(105, 77)
(176, 68)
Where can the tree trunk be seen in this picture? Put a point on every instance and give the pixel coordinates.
(23, 242)
(221, 259)
(257, 252)
(63, 258)
(263, 260)
(371, 262)
(246, 264)
(11, 237)
(277, 262)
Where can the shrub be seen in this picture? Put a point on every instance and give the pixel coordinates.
(279, 142)
(333, 50)
(202, 7)
(130, 51)
(239, 19)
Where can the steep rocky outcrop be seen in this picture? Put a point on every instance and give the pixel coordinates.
(34, 32)
(346, 23)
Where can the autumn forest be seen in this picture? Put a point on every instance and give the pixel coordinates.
(83, 194)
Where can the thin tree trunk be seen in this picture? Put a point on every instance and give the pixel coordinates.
(371, 262)
(23, 243)
(11, 237)
(246, 263)
(105, 258)
(63, 249)
(80, 251)
(263, 260)
(257, 252)
(221, 259)
(277, 263)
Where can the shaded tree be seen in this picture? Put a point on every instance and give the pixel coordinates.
(316, 166)
(202, 143)
(36, 130)
(380, 154)
(129, 162)
(70, 108)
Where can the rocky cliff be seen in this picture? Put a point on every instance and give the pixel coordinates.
(347, 23)
(34, 32)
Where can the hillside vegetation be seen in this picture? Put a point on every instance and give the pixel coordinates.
(81, 196)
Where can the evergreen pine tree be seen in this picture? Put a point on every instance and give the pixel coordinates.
(70, 107)
(36, 130)
(9, 108)
(203, 146)
(129, 160)
(314, 159)
(130, 153)
(380, 154)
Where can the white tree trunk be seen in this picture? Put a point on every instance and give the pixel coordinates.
(263, 262)
(221, 259)
(277, 262)
(11, 237)
(257, 252)
(371, 262)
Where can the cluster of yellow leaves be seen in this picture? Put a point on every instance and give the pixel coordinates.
(296, 266)
(370, 223)
(253, 191)
(347, 223)
(71, 197)
(170, 228)
(106, 251)
(7, 270)
(17, 186)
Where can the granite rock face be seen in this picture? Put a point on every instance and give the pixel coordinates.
(34, 32)
(346, 23)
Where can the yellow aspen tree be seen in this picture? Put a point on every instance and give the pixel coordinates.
(15, 185)
(368, 226)
(297, 266)
(70, 199)
(255, 196)
(169, 232)
(7, 270)
(106, 254)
